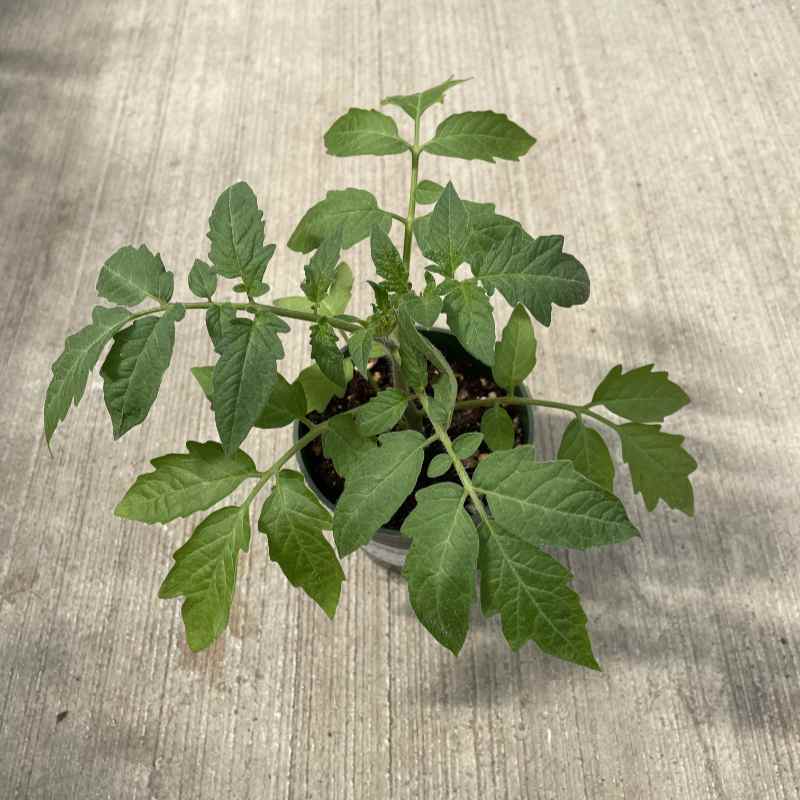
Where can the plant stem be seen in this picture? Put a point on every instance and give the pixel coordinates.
(488, 402)
(412, 197)
(307, 316)
(312, 433)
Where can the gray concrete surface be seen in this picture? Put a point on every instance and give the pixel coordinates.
(668, 155)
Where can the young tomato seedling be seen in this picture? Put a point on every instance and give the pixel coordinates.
(483, 501)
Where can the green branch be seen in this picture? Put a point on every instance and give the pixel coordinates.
(489, 402)
(306, 316)
(441, 434)
(412, 196)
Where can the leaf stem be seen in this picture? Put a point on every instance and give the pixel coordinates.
(488, 402)
(307, 316)
(466, 482)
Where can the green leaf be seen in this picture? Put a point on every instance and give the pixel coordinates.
(202, 279)
(440, 464)
(133, 274)
(318, 389)
(440, 565)
(135, 366)
(205, 574)
(427, 192)
(448, 231)
(184, 483)
(415, 105)
(413, 363)
(550, 502)
(467, 443)
(293, 520)
(388, 262)
(425, 308)
(382, 412)
(497, 428)
(471, 319)
(245, 374)
(236, 231)
(359, 346)
(534, 272)
(356, 210)
(72, 368)
(345, 445)
(484, 135)
(416, 346)
(529, 589)
(515, 353)
(325, 351)
(321, 270)
(660, 467)
(218, 319)
(640, 395)
(205, 377)
(362, 132)
(587, 451)
(375, 489)
(487, 229)
(340, 292)
(287, 402)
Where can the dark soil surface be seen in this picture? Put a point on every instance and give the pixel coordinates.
(474, 382)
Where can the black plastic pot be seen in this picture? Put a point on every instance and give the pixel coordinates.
(388, 547)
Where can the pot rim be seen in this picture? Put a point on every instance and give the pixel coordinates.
(389, 535)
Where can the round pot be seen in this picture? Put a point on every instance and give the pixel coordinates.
(389, 547)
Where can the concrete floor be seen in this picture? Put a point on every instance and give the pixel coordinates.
(668, 155)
